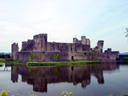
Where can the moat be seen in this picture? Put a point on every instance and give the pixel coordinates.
(99, 80)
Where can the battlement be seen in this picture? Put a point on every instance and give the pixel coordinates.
(67, 51)
(39, 36)
(84, 40)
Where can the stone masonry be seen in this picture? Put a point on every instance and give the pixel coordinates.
(44, 51)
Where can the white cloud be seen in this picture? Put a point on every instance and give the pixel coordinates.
(61, 20)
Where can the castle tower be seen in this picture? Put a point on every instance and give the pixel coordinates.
(83, 40)
(75, 40)
(100, 44)
(24, 46)
(15, 50)
(87, 42)
(44, 42)
(40, 42)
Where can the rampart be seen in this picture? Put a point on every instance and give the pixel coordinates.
(44, 51)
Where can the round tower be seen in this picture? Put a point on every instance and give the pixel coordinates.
(15, 50)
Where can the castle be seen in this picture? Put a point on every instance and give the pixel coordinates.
(43, 51)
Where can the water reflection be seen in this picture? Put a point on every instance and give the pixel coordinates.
(40, 77)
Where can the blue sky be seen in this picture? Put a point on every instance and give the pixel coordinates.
(62, 20)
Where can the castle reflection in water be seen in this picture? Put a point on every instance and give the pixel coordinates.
(40, 77)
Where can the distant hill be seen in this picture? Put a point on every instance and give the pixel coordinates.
(126, 53)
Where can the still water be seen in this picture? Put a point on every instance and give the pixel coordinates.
(96, 80)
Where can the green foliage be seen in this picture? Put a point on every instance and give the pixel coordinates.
(7, 93)
(29, 59)
(2, 60)
(15, 62)
(32, 56)
(125, 60)
(56, 57)
(2, 56)
(65, 93)
(62, 63)
(40, 57)
(85, 53)
(43, 52)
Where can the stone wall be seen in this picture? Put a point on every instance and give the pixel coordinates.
(15, 50)
(42, 57)
(45, 51)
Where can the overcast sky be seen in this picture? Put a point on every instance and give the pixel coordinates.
(62, 20)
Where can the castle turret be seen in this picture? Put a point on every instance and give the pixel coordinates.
(40, 42)
(15, 50)
(75, 40)
(87, 42)
(83, 40)
(100, 44)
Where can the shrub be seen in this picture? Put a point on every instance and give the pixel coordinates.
(32, 56)
(85, 53)
(125, 60)
(43, 52)
(29, 59)
(56, 57)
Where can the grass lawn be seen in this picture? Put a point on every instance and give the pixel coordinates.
(62, 63)
(14, 62)
(2, 60)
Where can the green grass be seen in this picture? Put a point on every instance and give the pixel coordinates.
(14, 62)
(62, 63)
(2, 60)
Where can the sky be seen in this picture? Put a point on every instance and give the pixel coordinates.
(64, 19)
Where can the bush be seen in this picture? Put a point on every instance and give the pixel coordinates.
(125, 60)
(85, 53)
(56, 57)
(32, 56)
(43, 52)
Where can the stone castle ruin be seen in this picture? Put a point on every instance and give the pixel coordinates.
(40, 50)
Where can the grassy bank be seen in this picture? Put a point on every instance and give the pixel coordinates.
(62, 63)
(14, 62)
(2, 60)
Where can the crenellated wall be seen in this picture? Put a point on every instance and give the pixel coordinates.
(45, 51)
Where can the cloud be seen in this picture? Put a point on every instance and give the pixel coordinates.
(61, 20)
